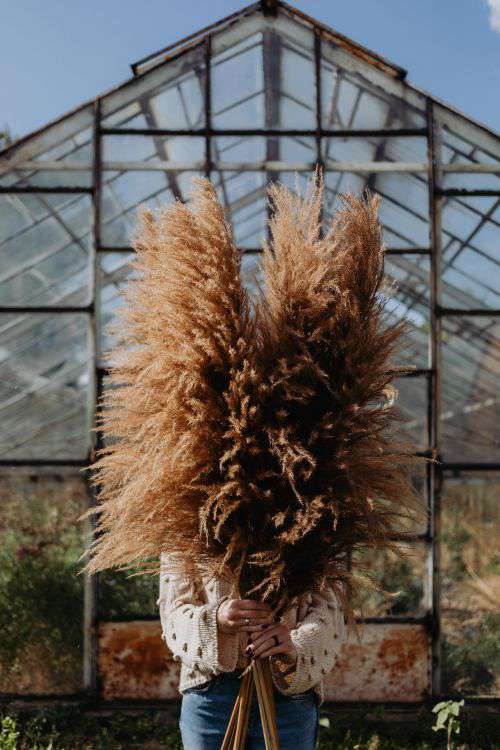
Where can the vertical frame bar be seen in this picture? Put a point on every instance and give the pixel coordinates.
(208, 106)
(317, 76)
(271, 66)
(435, 403)
(91, 583)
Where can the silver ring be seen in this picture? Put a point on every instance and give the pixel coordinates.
(247, 621)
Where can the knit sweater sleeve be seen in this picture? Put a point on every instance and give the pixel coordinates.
(317, 639)
(189, 624)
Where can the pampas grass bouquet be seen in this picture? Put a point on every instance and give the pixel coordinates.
(258, 439)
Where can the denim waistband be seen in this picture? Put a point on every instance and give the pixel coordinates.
(229, 682)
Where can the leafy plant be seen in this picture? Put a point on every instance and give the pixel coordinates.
(448, 718)
(40, 594)
(9, 735)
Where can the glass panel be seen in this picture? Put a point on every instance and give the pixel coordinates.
(470, 584)
(405, 577)
(44, 250)
(241, 178)
(143, 170)
(44, 386)
(413, 520)
(412, 399)
(123, 191)
(470, 253)
(408, 288)
(470, 375)
(114, 270)
(256, 67)
(235, 153)
(59, 156)
(404, 209)
(357, 95)
(121, 597)
(170, 96)
(466, 152)
(245, 199)
(250, 271)
(152, 151)
(41, 595)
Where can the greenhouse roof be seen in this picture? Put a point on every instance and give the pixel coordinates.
(258, 96)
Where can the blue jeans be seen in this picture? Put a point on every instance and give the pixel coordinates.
(206, 710)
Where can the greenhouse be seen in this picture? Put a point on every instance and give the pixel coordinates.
(262, 95)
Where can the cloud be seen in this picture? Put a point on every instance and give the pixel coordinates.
(494, 6)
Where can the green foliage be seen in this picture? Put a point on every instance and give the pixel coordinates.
(41, 607)
(70, 727)
(470, 581)
(456, 538)
(399, 576)
(473, 662)
(41, 595)
(9, 735)
(121, 596)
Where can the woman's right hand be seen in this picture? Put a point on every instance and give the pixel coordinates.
(235, 615)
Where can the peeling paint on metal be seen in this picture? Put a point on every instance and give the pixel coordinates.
(391, 663)
(134, 662)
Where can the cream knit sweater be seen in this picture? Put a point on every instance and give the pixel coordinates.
(188, 613)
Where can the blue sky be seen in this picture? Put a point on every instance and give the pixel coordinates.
(56, 54)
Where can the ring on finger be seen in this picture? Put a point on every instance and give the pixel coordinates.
(247, 621)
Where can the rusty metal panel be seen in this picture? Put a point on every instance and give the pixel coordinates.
(134, 662)
(391, 663)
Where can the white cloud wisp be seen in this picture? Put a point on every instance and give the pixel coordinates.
(494, 6)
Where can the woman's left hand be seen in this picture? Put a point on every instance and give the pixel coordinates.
(271, 640)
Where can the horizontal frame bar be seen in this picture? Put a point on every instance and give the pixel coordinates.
(464, 193)
(467, 466)
(476, 312)
(62, 190)
(312, 132)
(39, 462)
(26, 309)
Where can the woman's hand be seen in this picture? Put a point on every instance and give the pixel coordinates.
(271, 640)
(235, 615)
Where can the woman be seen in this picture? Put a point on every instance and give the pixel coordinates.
(210, 633)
